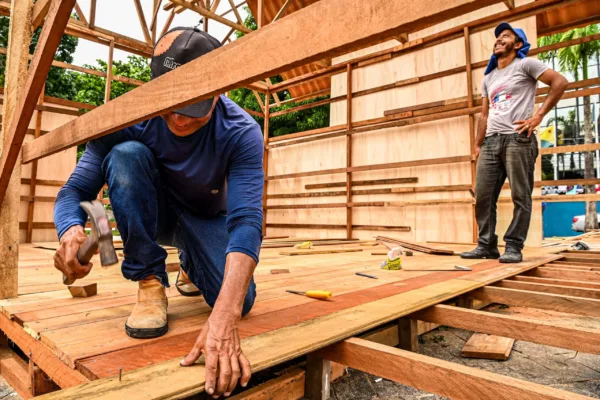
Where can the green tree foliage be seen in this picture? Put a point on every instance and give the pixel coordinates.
(90, 88)
(60, 82)
(299, 121)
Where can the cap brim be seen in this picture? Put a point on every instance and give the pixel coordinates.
(196, 110)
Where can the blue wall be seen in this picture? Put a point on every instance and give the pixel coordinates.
(558, 217)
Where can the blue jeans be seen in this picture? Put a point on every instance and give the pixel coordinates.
(147, 216)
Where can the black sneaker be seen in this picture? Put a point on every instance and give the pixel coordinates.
(511, 256)
(481, 253)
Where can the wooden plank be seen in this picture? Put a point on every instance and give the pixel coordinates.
(203, 78)
(33, 174)
(92, 21)
(423, 372)
(334, 226)
(317, 385)
(80, 13)
(555, 281)
(591, 276)
(16, 373)
(57, 19)
(566, 336)
(553, 289)
(289, 386)
(416, 246)
(490, 347)
(317, 252)
(570, 149)
(109, 66)
(362, 183)
(545, 301)
(40, 382)
(58, 371)
(40, 11)
(19, 36)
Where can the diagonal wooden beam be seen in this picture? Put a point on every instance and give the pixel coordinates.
(80, 13)
(140, 14)
(168, 22)
(509, 3)
(56, 21)
(281, 48)
(235, 6)
(437, 376)
(282, 10)
(40, 10)
(155, 15)
(236, 12)
(208, 14)
(565, 336)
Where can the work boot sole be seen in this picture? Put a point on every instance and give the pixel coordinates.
(510, 261)
(146, 333)
(480, 258)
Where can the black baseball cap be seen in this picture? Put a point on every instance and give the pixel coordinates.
(179, 46)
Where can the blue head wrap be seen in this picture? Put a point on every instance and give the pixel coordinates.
(522, 53)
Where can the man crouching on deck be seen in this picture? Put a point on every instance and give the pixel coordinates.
(506, 144)
(192, 178)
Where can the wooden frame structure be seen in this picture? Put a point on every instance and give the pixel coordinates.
(564, 282)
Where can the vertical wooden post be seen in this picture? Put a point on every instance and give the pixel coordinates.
(318, 378)
(92, 21)
(259, 21)
(205, 20)
(408, 334)
(471, 122)
(109, 74)
(15, 75)
(267, 110)
(348, 152)
(34, 167)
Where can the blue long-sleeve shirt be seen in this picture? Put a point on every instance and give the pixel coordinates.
(217, 168)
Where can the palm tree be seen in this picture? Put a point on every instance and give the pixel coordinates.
(571, 59)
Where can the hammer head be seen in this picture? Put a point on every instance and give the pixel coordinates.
(101, 231)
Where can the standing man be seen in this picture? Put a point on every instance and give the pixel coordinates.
(506, 144)
(191, 178)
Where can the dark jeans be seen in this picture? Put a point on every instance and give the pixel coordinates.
(146, 216)
(503, 156)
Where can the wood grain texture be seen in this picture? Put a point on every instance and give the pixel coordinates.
(183, 86)
(566, 336)
(490, 347)
(57, 19)
(551, 288)
(423, 372)
(19, 36)
(546, 301)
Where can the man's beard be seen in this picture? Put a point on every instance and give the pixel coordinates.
(508, 49)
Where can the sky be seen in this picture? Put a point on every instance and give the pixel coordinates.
(120, 16)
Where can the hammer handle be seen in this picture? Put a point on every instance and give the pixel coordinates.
(84, 255)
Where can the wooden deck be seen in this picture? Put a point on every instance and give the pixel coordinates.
(88, 336)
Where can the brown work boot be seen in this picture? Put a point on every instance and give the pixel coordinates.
(149, 316)
(185, 286)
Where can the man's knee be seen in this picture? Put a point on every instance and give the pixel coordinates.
(125, 160)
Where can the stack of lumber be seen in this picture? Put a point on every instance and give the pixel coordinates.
(416, 246)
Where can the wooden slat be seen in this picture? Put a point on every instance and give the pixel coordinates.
(556, 281)
(566, 336)
(40, 10)
(571, 149)
(142, 19)
(545, 301)
(203, 78)
(362, 183)
(333, 226)
(423, 372)
(491, 347)
(553, 289)
(590, 276)
(57, 19)
(58, 371)
(208, 14)
(16, 372)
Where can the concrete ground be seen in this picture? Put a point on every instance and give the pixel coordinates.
(559, 368)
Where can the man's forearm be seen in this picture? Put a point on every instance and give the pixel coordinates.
(239, 269)
(481, 129)
(556, 91)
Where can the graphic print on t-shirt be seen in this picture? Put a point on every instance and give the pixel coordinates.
(502, 100)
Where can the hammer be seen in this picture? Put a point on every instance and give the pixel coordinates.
(101, 238)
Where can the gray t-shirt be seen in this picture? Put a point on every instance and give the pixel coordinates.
(511, 91)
